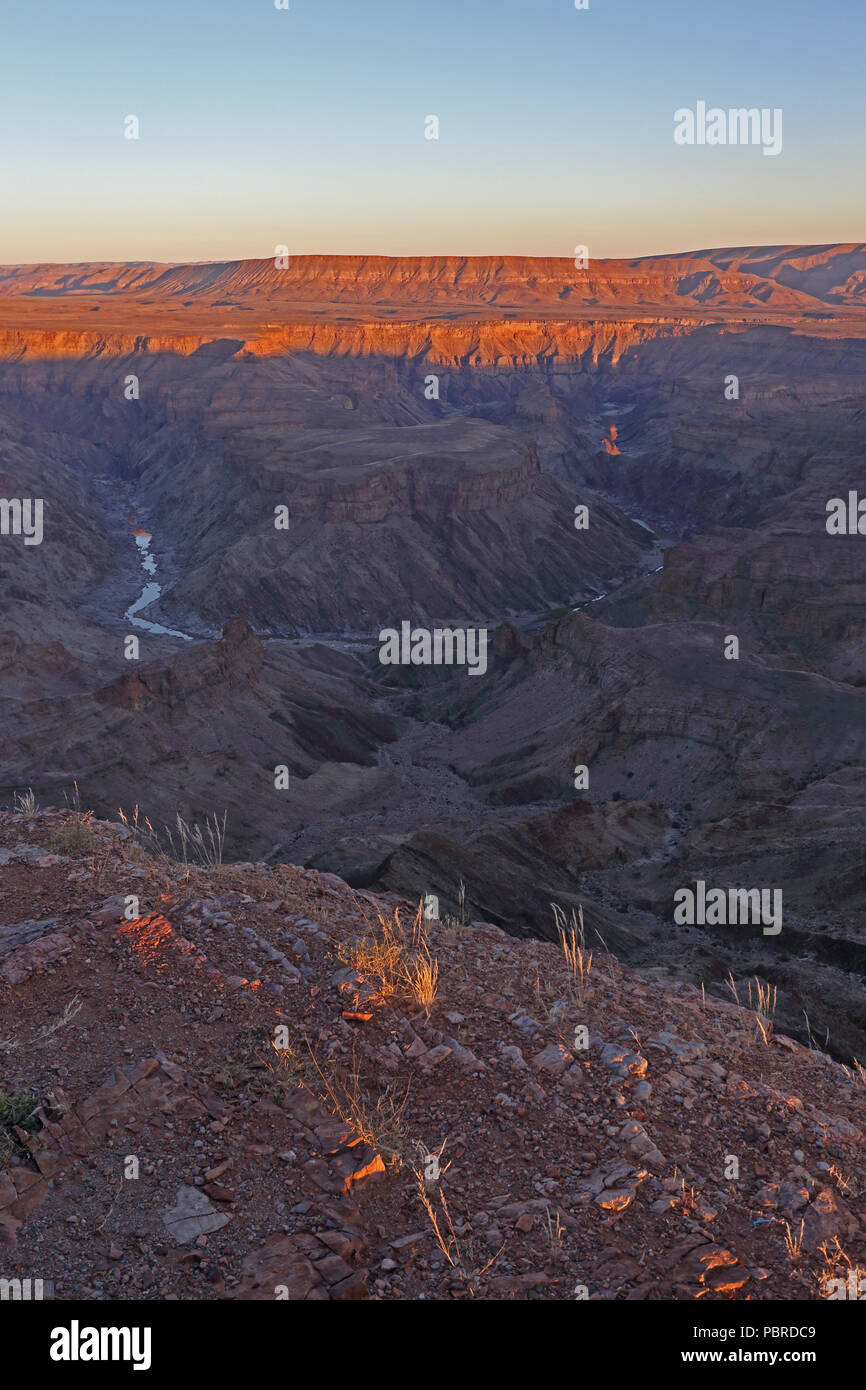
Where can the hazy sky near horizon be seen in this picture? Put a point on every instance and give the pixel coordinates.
(306, 127)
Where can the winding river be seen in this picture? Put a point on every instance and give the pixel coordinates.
(150, 592)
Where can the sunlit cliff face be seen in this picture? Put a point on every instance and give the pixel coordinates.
(469, 311)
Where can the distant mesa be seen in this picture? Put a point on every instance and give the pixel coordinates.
(800, 277)
(481, 310)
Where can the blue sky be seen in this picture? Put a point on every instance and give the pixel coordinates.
(306, 127)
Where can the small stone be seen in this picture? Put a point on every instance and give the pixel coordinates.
(553, 1059)
(192, 1216)
(212, 1174)
(615, 1198)
(435, 1056)
(404, 1242)
(218, 1192)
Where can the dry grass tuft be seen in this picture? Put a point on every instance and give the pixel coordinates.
(379, 1122)
(395, 959)
(201, 846)
(572, 939)
(856, 1074)
(70, 1011)
(421, 977)
(794, 1241)
(460, 1258)
(555, 1232)
(762, 1002)
(25, 803)
(380, 955)
(431, 1162)
(838, 1269)
(764, 1005)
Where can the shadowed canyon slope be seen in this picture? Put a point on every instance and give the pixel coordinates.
(454, 502)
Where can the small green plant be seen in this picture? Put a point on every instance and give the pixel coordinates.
(16, 1109)
(232, 1078)
(15, 1112)
(287, 1073)
(75, 838)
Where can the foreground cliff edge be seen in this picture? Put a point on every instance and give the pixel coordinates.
(246, 1082)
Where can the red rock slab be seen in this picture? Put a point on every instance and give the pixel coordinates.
(9, 1228)
(31, 959)
(281, 1269)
